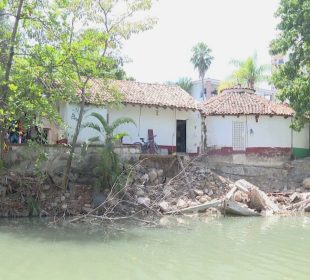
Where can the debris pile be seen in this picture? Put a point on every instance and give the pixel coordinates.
(197, 188)
(191, 187)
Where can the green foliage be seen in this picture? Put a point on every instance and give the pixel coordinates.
(248, 72)
(229, 83)
(109, 169)
(292, 79)
(33, 206)
(185, 83)
(107, 130)
(201, 58)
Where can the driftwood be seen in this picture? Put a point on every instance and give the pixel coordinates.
(298, 205)
(235, 208)
(214, 203)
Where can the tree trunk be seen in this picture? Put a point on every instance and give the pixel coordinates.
(202, 90)
(8, 67)
(74, 140)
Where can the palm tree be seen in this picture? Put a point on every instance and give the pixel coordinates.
(249, 72)
(109, 169)
(202, 60)
(185, 83)
(106, 130)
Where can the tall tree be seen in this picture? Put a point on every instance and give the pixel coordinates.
(248, 72)
(27, 24)
(292, 79)
(201, 60)
(93, 51)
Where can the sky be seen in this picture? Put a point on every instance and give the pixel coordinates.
(233, 29)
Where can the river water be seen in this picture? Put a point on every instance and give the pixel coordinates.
(205, 248)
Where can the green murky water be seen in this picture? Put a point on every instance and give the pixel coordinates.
(221, 248)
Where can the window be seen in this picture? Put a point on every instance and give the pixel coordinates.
(238, 136)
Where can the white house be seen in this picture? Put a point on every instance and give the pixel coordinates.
(239, 121)
(166, 111)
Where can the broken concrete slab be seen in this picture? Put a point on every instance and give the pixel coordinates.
(235, 208)
(214, 203)
(243, 185)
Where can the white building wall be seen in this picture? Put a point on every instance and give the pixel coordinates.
(196, 91)
(70, 113)
(273, 132)
(219, 131)
(162, 121)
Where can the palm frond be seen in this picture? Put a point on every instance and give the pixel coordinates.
(121, 121)
(102, 121)
(93, 139)
(92, 125)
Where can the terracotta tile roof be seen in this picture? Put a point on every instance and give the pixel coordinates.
(133, 92)
(243, 101)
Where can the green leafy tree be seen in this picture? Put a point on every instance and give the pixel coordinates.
(248, 72)
(201, 60)
(26, 93)
(185, 83)
(110, 168)
(90, 52)
(292, 79)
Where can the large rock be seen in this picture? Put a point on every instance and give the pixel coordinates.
(98, 198)
(164, 206)
(145, 178)
(140, 193)
(198, 192)
(160, 173)
(144, 201)
(306, 183)
(152, 175)
(204, 199)
(181, 203)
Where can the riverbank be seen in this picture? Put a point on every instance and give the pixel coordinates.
(146, 192)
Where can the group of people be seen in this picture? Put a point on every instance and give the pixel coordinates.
(17, 135)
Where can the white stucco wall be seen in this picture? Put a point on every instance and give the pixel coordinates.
(70, 112)
(267, 132)
(162, 121)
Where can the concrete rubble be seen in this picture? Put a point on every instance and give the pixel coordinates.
(212, 191)
(150, 190)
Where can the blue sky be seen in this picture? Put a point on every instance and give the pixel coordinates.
(233, 29)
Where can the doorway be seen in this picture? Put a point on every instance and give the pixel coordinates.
(181, 136)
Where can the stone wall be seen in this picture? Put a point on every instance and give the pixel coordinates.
(52, 158)
(273, 175)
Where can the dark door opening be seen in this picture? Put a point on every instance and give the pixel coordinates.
(181, 136)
